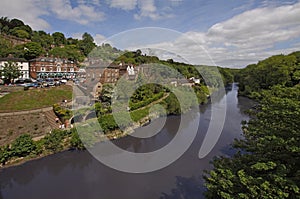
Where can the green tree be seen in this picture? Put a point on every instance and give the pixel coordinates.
(59, 38)
(69, 52)
(22, 146)
(106, 93)
(278, 69)
(33, 50)
(5, 23)
(268, 163)
(5, 154)
(15, 23)
(86, 45)
(10, 71)
(75, 140)
(44, 39)
(5, 47)
(20, 33)
(53, 141)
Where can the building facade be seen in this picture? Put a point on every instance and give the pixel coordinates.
(49, 67)
(22, 64)
(113, 73)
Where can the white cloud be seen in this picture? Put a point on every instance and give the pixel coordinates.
(125, 5)
(28, 11)
(260, 26)
(99, 39)
(77, 35)
(148, 9)
(243, 39)
(82, 14)
(33, 11)
(145, 8)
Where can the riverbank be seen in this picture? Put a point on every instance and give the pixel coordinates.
(67, 145)
(71, 139)
(77, 171)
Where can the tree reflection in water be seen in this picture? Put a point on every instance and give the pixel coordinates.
(186, 188)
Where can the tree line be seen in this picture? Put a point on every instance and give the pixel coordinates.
(25, 147)
(42, 43)
(267, 161)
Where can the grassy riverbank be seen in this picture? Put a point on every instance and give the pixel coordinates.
(34, 98)
(24, 148)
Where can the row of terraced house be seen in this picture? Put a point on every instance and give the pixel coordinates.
(43, 67)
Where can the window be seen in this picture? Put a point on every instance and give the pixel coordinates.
(42, 68)
(58, 69)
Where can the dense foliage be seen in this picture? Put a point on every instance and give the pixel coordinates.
(39, 43)
(267, 164)
(25, 147)
(278, 69)
(105, 52)
(10, 71)
(63, 113)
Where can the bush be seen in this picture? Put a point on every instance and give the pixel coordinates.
(23, 146)
(108, 123)
(5, 154)
(62, 113)
(75, 141)
(134, 106)
(54, 141)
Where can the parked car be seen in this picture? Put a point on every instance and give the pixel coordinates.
(33, 84)
(23, 82)
(63, 81)
(44, 84)
(51, 83)
(57, 83)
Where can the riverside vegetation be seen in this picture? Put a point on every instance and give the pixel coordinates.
(24, 148)
(267, 161)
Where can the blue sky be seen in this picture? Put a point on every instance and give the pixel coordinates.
(233, 33)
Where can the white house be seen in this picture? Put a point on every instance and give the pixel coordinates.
(21, 63)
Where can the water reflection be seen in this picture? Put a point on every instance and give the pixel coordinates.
(74, 174)
(185, 188)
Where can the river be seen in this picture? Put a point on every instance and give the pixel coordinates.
(76, 174)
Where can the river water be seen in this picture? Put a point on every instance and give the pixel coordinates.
(76, 174)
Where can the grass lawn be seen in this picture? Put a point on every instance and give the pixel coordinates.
(34, 98)
(139, 114)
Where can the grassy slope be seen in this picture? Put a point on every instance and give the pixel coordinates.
(35, 98)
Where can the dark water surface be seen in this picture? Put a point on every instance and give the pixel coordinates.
(74, 174)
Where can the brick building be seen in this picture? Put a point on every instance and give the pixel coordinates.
(49, 67)
(113, 73)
